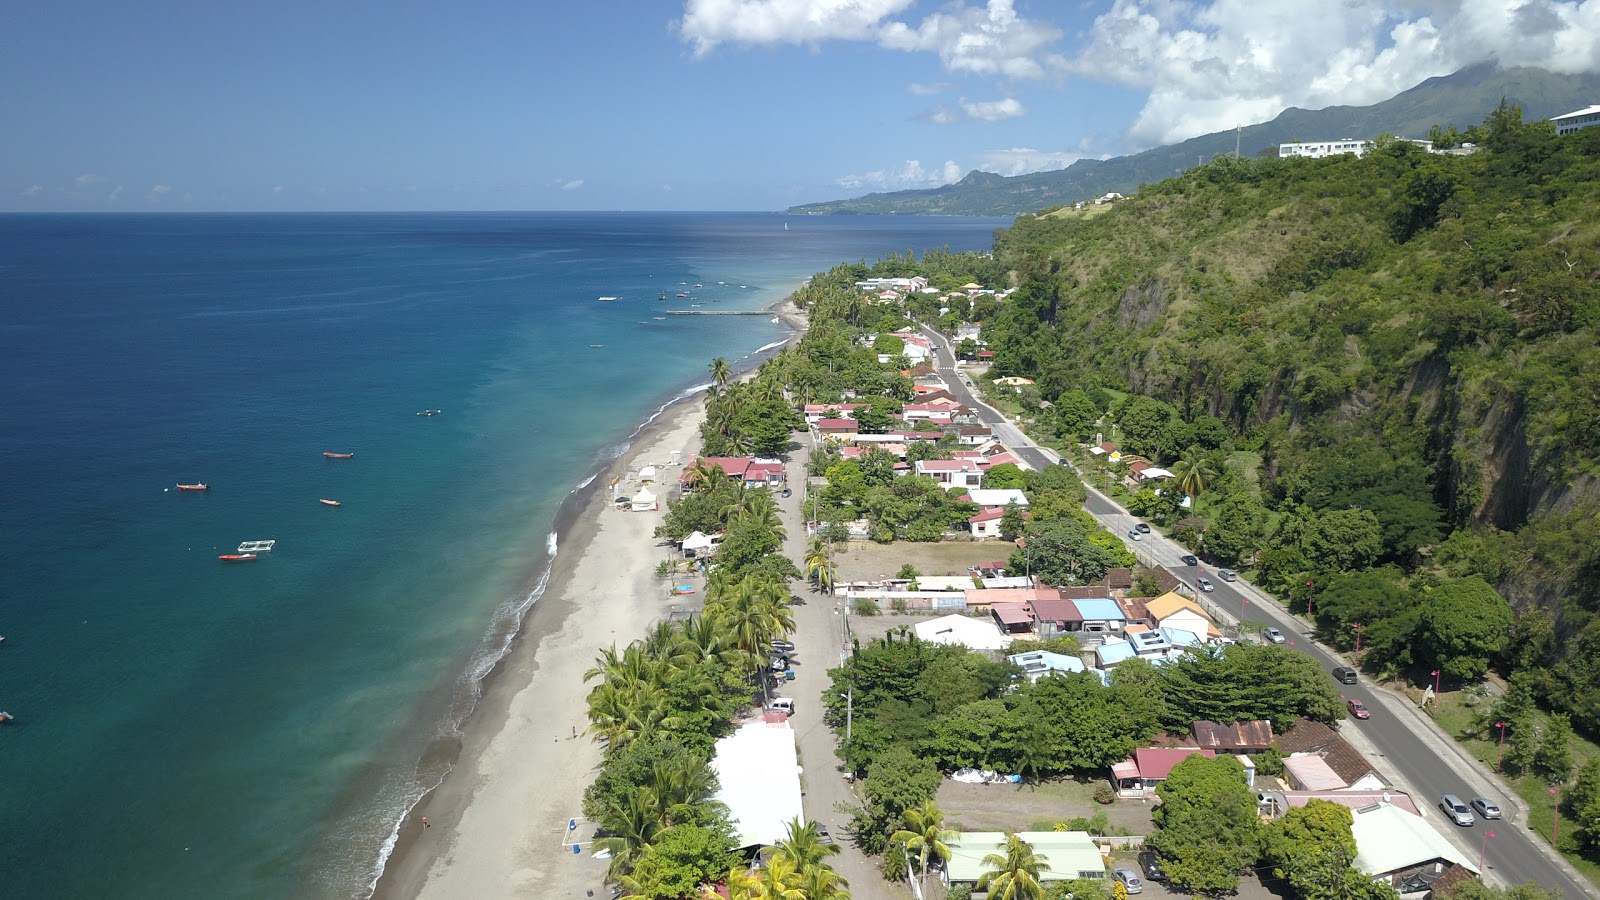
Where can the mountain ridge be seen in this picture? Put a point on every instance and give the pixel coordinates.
(1461, 98)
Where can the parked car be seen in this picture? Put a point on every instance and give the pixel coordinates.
(1456, 811)
(1129, 879)
(778, 663)
(1204, 584)
(1189, 560)
(1142, 528)
(822, 833)
(1275, 636)
(1358, 710)
(783, 646)
(1152, 866)
(786, 492)
(1133, 534)
(1345, 675)
(1485, 808)
(1227, 575)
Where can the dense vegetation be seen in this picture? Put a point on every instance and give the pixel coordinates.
(1378, 376)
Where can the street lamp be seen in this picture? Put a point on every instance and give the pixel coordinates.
(1311, 599)
(1435, 674)
(1483, 846)
(1502, 753)
(1555, 815)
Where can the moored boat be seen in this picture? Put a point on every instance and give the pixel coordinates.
(256, 546)
(330, 502)
(331, 455)
(237, 557)
(607, 299)
(194, 487)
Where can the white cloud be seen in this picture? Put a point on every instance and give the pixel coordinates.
(993, 110)
(572, 185)
(1210, 66)
(32, 190)
(88, 180)
(667, 188)
(928, 90)
(115, 193)
(277, 189)
(910, 174)
(1022, 160)
(158, 191)
(989, 39)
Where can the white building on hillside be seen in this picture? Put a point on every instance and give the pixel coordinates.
(1577, 120)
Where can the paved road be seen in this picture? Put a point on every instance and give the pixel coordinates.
(1401, 740)
(819, 644)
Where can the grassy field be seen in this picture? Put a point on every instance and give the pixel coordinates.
(867, 561)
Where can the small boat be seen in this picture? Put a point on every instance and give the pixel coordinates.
(331, 455)
(683, 295)
(194, 487)
(775, 320)
(330, 502)
(237, 557)
(430, 412)
(662, 297)
(661, 318)
(607, 299)
(256, 546)
(5, 717)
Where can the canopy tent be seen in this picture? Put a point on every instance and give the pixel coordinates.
(648, 473)
(644, 501)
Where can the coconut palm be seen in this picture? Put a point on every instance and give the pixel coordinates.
(719, 371)
(820, 882)
(705, 642)
(818, 557)
(1195, 470)
(634, 824)
(1013, 875)
(804, 845)
(753, 612)
(926, 838)
(779, 880)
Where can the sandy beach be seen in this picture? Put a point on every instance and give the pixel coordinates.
(498, 822)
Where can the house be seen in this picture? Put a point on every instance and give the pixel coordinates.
(981, 600)
(1099, 616)
(816, 412)
(1308, 736)
(985, 355)
(758, 775)
(1113, 651)
(1013, 618)
(974, 634)
(1310, 772)
(969, 331)
(1277, 803)
(1236, 737)
(986, 525)
(929, 408)
(1577, 120)
(1402, 849)
(1138, 775)
(843, 429)
(974, 435)
(951, 473)
(1013, 381)
(751, 471)
(1070, 855)
(1149, 473)
(1173, 610)
(987, 498)
(1038, 663)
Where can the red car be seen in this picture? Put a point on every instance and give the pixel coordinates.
(1358, 709)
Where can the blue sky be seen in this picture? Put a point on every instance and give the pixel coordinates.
(679, 104)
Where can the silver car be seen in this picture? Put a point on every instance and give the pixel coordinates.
(1275, 636)
(1204, 584)
(1458, 812)
(1129, 879)
(1486, 808)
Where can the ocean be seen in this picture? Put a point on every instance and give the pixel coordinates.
(186, 727)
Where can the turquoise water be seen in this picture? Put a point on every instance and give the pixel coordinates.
(187, 727)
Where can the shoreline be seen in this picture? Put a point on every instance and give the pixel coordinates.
(518, 775)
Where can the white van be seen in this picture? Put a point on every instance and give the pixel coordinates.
(782, 703)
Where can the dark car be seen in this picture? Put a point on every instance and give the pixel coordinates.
(822, 833)
(1189, 559)
(786, 492)
(1151, 864)
(1358, 709)
(1142, 528)
(783, 646)
(1345, 675)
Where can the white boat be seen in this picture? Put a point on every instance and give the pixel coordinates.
(256, 546)
(607, 299)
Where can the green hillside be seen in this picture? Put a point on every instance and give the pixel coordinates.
(1459, 99)
(1410, 342)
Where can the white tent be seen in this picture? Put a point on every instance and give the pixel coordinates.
(648, 473)
(697, 544)
(644, 501)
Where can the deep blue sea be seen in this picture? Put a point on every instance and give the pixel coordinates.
(192, 728)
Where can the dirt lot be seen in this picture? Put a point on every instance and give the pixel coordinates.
(865, 561)
(1034, 807)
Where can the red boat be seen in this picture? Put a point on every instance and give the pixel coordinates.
(237, 557)
(330, 502)
(194, 487)
(332, 455)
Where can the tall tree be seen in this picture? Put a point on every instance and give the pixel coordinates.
(719, 371)
(925, 838)
(1207, 824)
(1014, 874)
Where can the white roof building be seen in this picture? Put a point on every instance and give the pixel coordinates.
(998, 497)
(758, 770)
(1577, 119)
(1390, 840)
(965, 631)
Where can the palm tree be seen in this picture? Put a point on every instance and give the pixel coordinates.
(779, 880)
(818, 559)
(1013, 875)
(705, 642)
(804, 845)
(820, 882)
(633, 824)
(1195, 471)
(926, 836)
(719, 371)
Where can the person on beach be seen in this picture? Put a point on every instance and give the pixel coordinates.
(424, 821)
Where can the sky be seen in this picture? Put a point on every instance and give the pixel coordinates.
(679, 104)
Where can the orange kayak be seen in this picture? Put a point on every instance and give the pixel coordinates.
(237, 557)
(330, 502)
(194, 487)
(332, 455)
